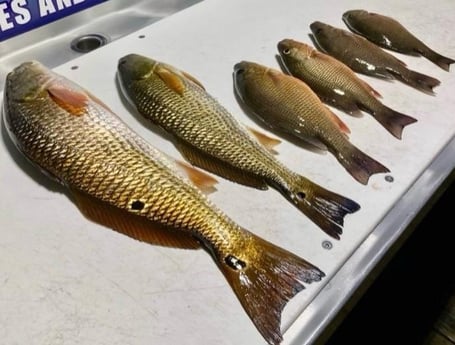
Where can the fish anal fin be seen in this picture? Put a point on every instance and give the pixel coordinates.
(207, 162)
(171, 79)
(370, 89)
(338, 122)
(130, 224)
(203, 181)
(268, 142)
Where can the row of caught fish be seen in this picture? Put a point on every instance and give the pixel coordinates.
(119, 180)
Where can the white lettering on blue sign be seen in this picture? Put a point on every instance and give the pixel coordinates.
(5, 23)
(46, 7)
(18, 9)
(17, 16)
(23, 15)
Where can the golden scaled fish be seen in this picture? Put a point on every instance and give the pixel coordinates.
(390, 34)
(208, 136)
(337, 85)
(119, 180)
(365, 57)
(290, 107)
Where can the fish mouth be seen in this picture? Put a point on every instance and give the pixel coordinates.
(239, 72)
(316, 27)
(239, 68)
(346, 15)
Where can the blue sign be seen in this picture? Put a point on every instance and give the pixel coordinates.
(19, 16)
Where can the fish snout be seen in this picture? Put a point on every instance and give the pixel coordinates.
(239, 77)
(317, 27)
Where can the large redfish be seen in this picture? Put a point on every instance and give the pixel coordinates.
(390, 34)
(121, 181)
(210, 137)
(287, 105)
(336, 84)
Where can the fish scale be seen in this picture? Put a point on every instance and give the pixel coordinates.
(82, 171)
(215, 130)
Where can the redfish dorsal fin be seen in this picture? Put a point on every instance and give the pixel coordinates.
(203, 181)
(268, 142)
(130, 224)
(171, 79)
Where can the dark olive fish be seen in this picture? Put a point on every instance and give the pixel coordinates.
(209, 136)
(365, 57)
(390, 34)
(289, 106)
(121, 181)
(336, 84)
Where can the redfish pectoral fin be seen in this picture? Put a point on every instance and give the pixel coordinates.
(130, 224)
(266, 281)
(71, 100)
(171, 79)
(268, 142)
(193, 79)
(203, 181)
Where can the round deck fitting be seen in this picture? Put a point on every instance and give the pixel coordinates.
(89, 42)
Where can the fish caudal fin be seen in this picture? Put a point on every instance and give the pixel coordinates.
(419, 81)
(393, 121)
(265, 281)
(441, 61)
(325, 208)
(359, 165)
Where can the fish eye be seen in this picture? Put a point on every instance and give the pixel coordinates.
(318, 31)
(286, 51)
(240, 71)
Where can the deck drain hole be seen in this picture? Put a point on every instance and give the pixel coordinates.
(87, 43)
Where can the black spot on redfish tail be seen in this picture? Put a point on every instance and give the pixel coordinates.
(325, 208)
(266, 281)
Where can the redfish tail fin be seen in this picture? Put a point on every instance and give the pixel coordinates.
(438, 59)
(393, 121)
(359, 164)
(419, 81)
(325, 208)
(265, 281)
